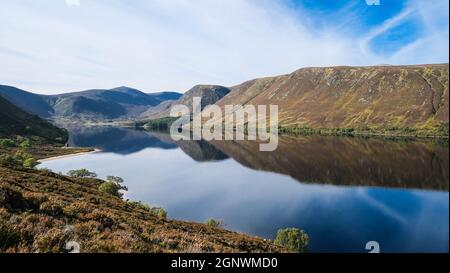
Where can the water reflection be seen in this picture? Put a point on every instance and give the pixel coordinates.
(258, 193)
(378, 162)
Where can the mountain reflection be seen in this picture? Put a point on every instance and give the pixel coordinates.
(349, 161)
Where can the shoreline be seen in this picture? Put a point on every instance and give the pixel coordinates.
(68, 155)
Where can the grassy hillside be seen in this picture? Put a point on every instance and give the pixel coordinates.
(16, 122)
(49, 210)
(376, 99)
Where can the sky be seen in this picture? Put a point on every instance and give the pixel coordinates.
(58, 46)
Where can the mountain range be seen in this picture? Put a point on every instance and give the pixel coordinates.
(376, 97)
(96, 104)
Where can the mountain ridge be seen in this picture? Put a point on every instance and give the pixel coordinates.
(93, 104)
(352, 97)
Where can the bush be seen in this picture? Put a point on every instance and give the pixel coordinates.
(81, 173)
(25, 144)
(114, 179)
(160, 213)
(292, 238)
(53, 208)
(7, 143)
(110, 188)
(214, 223)
(21, 156)
(30, 163)
(12, 199)
(6, 159)
(155, 211)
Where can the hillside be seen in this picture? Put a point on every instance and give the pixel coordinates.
(16, 122)
(50, 209)
(32, 103)
(209, 94)
(377, 97)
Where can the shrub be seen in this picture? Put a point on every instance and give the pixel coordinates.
(25, 144)
(292, 238)
(6, 159)
(30, 163)
(52, 241)
(81, 173)
(7, 143)
(214, 223)
(160, 213)
(53, 208)
(114, 179)
(12, 237)
(110, 188)
(12, 199)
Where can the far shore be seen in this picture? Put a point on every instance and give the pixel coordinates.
(69, 155)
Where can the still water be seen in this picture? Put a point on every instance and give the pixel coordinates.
(342, 191)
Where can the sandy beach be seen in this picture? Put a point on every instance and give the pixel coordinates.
(68, 155)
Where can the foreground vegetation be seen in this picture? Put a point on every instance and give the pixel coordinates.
(41, 211)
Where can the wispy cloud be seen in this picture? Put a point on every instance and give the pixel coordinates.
(48, 46)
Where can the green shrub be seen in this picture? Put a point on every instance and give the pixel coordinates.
(7, 143)
(30, 163)
(6, 159)
(214, 223)
(21, 156)
(155, 211)
(110, 188)
(160, 213)
(114, 179)
(81, 173)
(292, 238)
(25, 144)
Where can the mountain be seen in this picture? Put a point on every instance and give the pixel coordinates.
(96, 104)
(101, 104)
(32, 103)
(166, 95)
(353, 97)
(16, 122)
(209, 94)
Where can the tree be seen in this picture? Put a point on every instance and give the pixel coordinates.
(114, 179)
(113, 186)
(81, 173)
(292, 238)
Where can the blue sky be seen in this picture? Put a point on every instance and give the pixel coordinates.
(56, 46)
